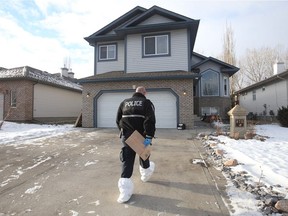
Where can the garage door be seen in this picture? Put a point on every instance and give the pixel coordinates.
(1, 106)
(164, 102)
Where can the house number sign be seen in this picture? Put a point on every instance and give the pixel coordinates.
(239, 122)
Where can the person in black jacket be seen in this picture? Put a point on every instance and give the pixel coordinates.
(135, 113)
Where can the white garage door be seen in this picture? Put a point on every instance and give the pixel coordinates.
(164, 102)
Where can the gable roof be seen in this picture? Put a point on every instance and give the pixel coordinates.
(98, 35)
(270, 80)
(226, 68)
(44, 77)
(129, 23)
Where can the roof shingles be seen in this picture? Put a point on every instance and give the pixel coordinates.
(122, 76)
(38, 75)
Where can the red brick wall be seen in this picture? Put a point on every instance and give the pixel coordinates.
(185, 101)
(24, 102)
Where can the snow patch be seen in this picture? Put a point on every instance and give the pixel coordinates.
(33, 189)
(91, 163)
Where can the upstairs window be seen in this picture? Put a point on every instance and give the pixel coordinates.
(210, 83)
(107, 52)
(156, 45)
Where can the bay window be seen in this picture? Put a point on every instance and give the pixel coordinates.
(210, 83)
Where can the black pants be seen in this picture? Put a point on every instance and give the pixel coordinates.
(127, 157)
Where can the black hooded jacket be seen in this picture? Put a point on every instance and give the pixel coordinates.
(136, 113)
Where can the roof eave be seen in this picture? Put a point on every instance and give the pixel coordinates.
(230, 71)
(122, 79)
(41, 82)
(122, 19)
(157, 27)
(263, 82)
(103, 38)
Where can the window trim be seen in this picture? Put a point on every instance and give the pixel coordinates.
(210, 109)
(13, 98)
(155, 36)
(107, 59)
(225, 82)
(254, 95)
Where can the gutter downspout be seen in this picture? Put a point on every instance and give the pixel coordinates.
(280, 77)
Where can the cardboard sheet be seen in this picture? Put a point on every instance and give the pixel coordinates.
(136, 142)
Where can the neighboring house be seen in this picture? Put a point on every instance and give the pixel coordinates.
(154, 48)
(267, 96)
(28, 94)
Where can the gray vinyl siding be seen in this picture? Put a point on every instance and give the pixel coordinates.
(107, 66)
(209, 65)
(177, 60)
(273, 95)
(196, 59)
(156, 19)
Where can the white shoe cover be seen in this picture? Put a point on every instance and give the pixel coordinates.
(147, 173)
(126, 187)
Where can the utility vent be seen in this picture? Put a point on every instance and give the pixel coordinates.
(278, 67)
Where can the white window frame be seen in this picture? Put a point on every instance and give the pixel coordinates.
(156, 41)
(107, 57)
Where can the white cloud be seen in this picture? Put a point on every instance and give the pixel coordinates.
(44, 40)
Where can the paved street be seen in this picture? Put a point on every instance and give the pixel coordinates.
(76, 173)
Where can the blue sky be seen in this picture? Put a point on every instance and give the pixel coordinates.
(45, 33)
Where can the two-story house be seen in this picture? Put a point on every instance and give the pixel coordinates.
(153, 48)
(264, 98)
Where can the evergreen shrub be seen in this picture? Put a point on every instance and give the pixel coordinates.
(282, 116)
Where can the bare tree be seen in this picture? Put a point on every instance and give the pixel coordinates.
(229, 46)
(257, 64)
(239, 79)
(229, 53)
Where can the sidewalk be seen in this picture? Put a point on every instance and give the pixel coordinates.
(77, 174)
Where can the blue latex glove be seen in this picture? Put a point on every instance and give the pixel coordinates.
(147, 141)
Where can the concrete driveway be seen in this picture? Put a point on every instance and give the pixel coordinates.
(77, 173)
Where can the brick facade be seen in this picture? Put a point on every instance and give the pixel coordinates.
(186, 114)
(24, 100)
(223, 103)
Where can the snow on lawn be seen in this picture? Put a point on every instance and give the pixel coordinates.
(265, 161)
(12, 132)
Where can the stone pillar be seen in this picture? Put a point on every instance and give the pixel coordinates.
(238, 122)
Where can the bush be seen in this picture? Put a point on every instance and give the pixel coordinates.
(282, 116)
